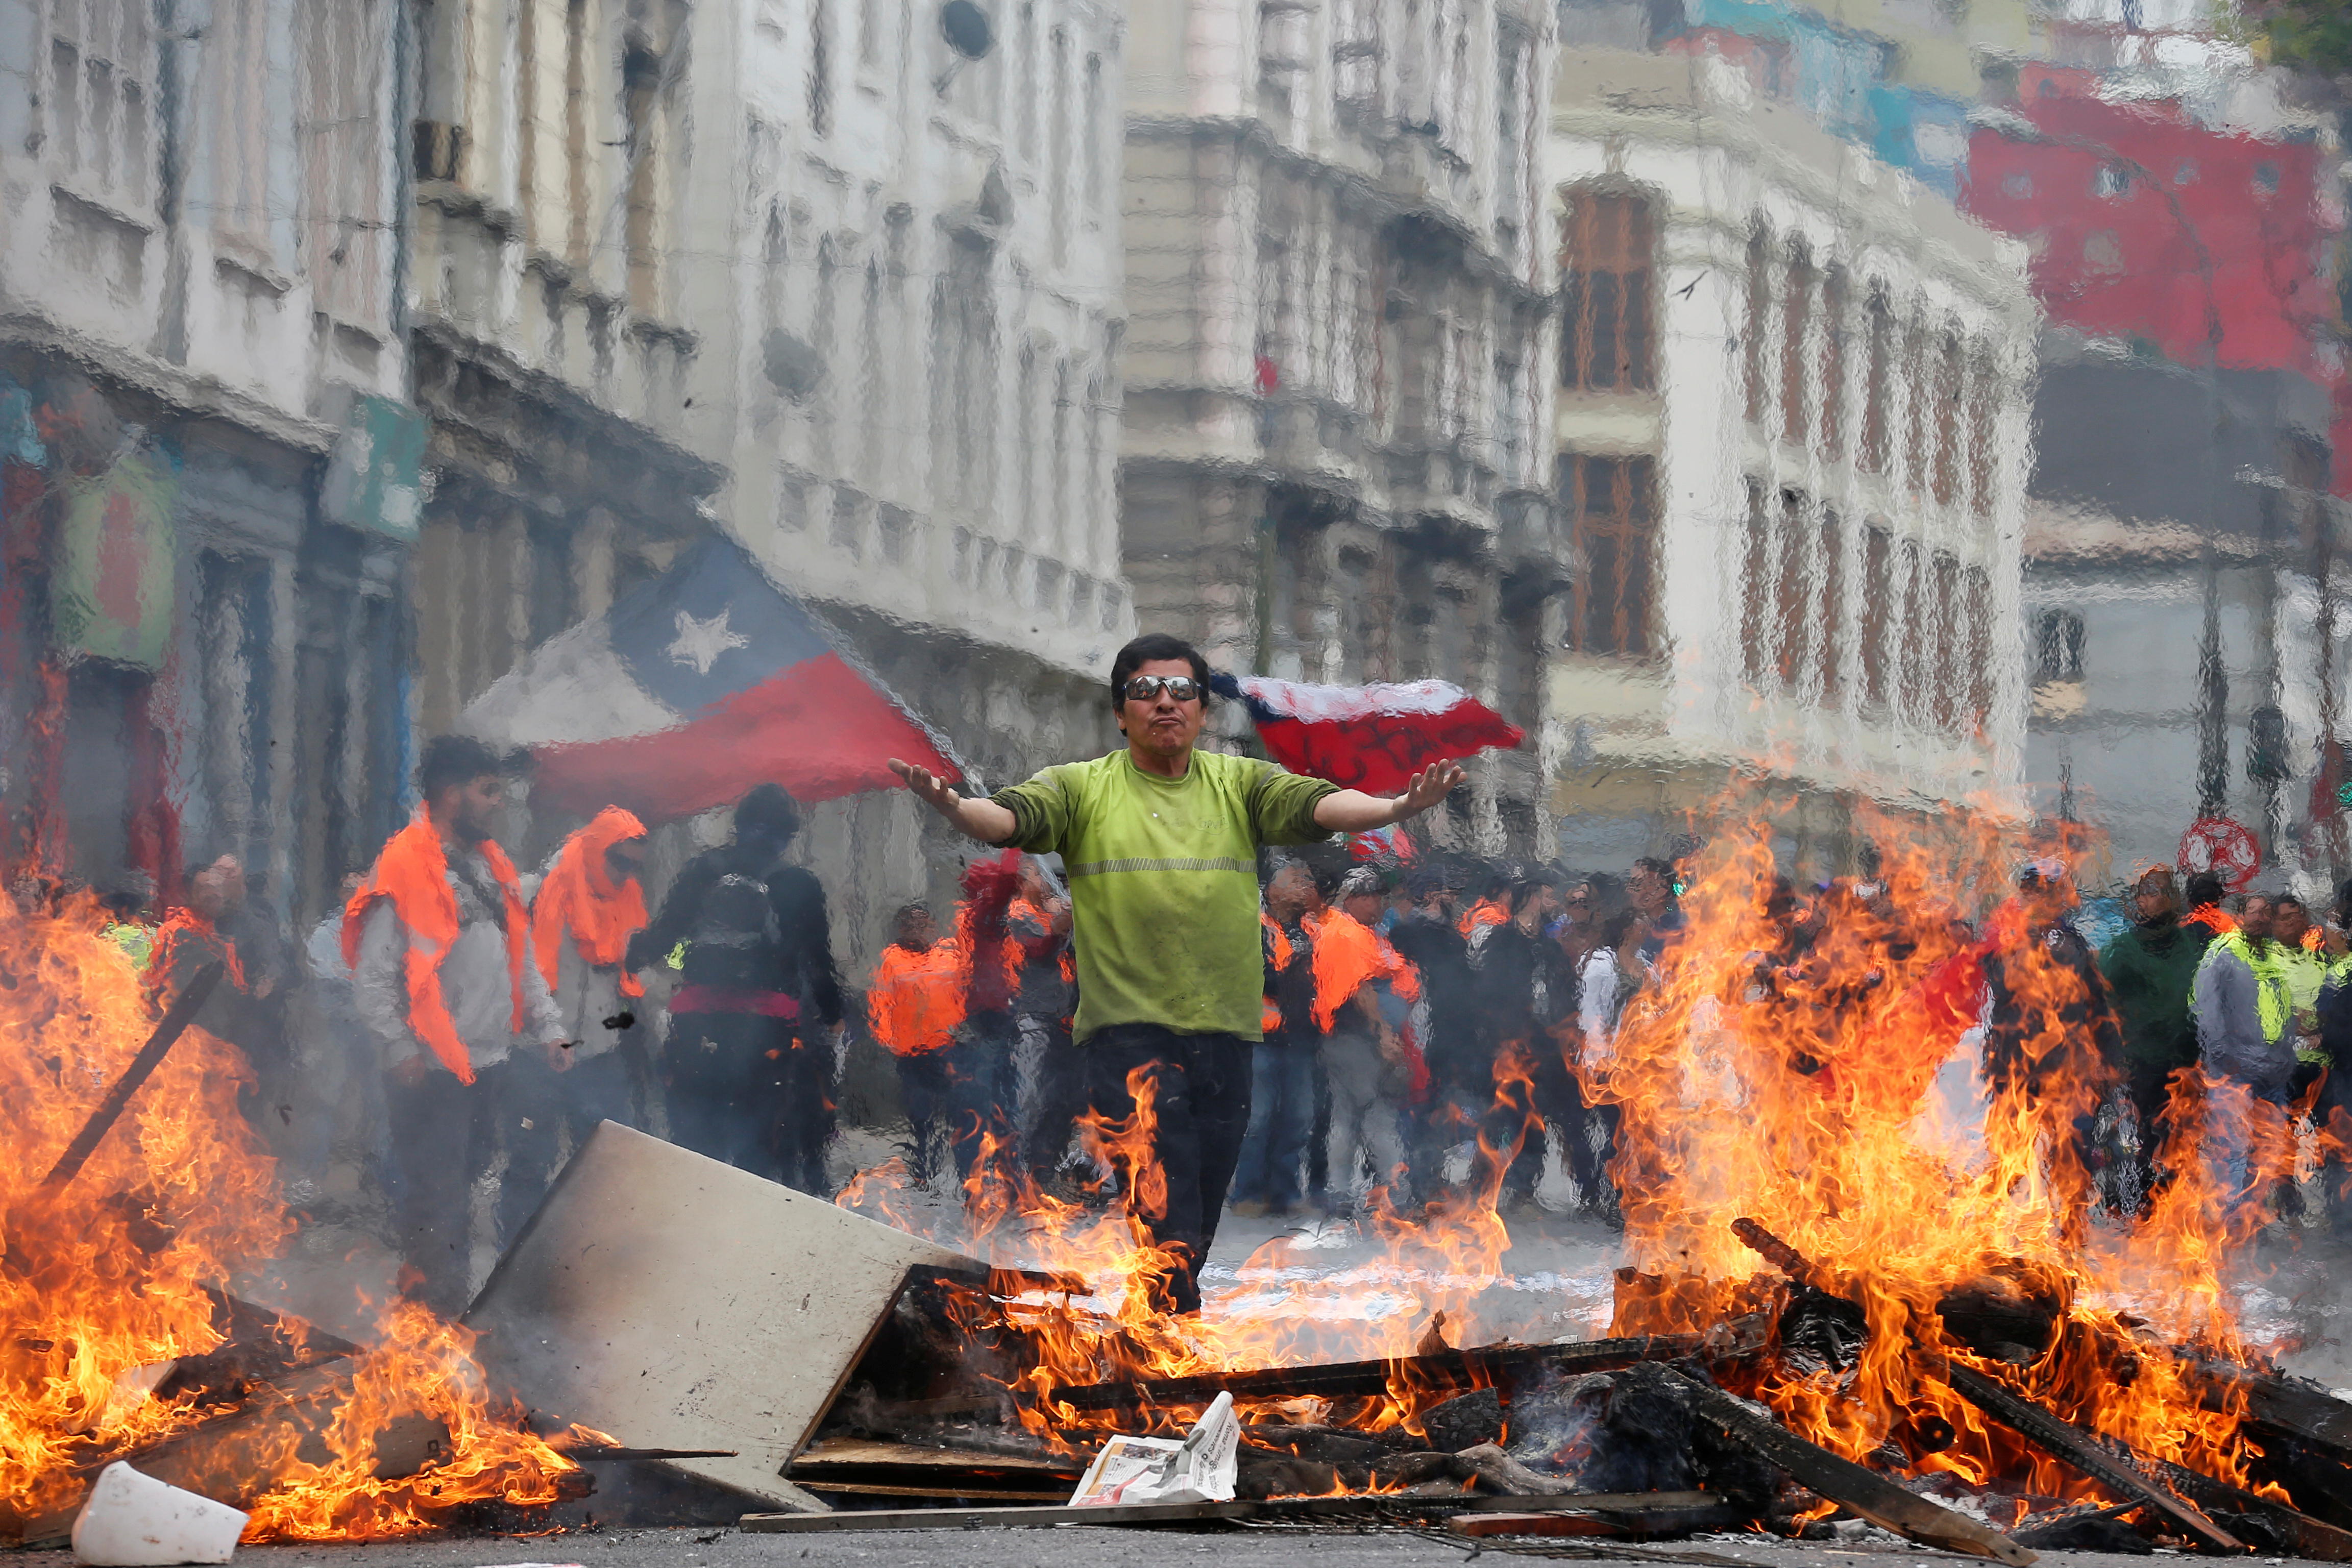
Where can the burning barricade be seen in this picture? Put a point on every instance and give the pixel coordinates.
(1876, 1269)
(1871, 1276)
(132, 1199)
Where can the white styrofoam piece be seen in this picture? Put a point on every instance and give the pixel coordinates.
(130, 1520)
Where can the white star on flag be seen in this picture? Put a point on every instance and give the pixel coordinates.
(699, 643)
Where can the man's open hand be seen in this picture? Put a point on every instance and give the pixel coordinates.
(1429, 786)
(928, 787)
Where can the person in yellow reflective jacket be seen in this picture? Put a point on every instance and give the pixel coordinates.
(2244, 1014)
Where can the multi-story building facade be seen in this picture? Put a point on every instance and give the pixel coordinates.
(199, 329)
(2180, 574)
(1793, 440)
(545, 167)
(1331, 466)
(898, 256)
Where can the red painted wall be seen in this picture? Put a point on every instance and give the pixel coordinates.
(2114, 247)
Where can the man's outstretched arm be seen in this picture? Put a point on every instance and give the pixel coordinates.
(979, 818)
(1353, 811)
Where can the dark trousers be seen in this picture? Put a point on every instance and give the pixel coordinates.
(445, 1135)
(980, 1092)
(1061, 1097)
(1282, 1112)
(923, 1095)
(744, 1088)
(541, 1105)
(1175, 1165)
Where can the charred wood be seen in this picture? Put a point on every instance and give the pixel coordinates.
(1465, 1369)
(1872, 1496)
(2085, 1453)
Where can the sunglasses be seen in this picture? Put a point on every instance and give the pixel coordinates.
(1148, 688)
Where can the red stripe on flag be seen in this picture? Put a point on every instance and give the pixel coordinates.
(818, 729)
(1379, 752)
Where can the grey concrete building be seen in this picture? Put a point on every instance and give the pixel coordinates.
(2183, 604)
(1330, 465)
(199, 328)
(897, 254)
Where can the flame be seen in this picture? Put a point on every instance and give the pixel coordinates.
(1815, 1093)
(1838, 1092)
(115, 1272)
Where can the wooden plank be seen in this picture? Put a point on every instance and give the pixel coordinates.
(940, 1489)
(1637, 1525)
(2080, 1450)
(677, 1302)
(2292, 1404)
(1871, 1495)
(1365, 1379)
(2307, 1537)
(834, 1452)
(1184, 1512)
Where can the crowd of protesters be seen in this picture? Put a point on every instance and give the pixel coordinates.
(1425, 1026)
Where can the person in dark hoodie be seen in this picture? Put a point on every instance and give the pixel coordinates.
(749, 1048)
(1462, 1075)
(2149, 967)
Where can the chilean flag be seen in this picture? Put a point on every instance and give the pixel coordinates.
(1372, 738)
(692, 688)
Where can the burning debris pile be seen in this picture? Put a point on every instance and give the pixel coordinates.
(1873, 1279)
(128, 1203)
(1876, 1271)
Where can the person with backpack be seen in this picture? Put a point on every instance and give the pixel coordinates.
(750, 1054)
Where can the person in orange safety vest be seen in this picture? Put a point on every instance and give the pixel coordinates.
(439, 946)
(913, 1004)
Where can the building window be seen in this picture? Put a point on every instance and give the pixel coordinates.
(1950, 641)
(1984, 390)
(240, 56)
(820, 68)
(641, 82)
(1979, 648)
(1613, 519)
(1914, 696)
(1605, 333)
(341, 132)
(1833, 536)
(1876, 390)
(1790, 598)
(1878, 606)
(1834, 305)
(1759, 311)
(1949, 416)
(97, 120)
(1795, 363)
(2058, 646)
(1755, 583)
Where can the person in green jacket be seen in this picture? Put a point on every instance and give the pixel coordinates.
(1161, 841)
(2149, 968)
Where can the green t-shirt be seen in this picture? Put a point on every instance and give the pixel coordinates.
(1163, 881)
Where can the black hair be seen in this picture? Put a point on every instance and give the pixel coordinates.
(2205, 888)
(1150, 648)
(767, 812)
(907, 912)
(455, 760)
(2287, 901)
(2344, 900)
(1614, 929)
(1661, 868)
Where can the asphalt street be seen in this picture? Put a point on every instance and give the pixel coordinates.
(1071, 1546)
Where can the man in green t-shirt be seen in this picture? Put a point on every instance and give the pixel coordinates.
(1160, 843)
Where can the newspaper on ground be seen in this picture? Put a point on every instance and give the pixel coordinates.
(1160, 1469)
